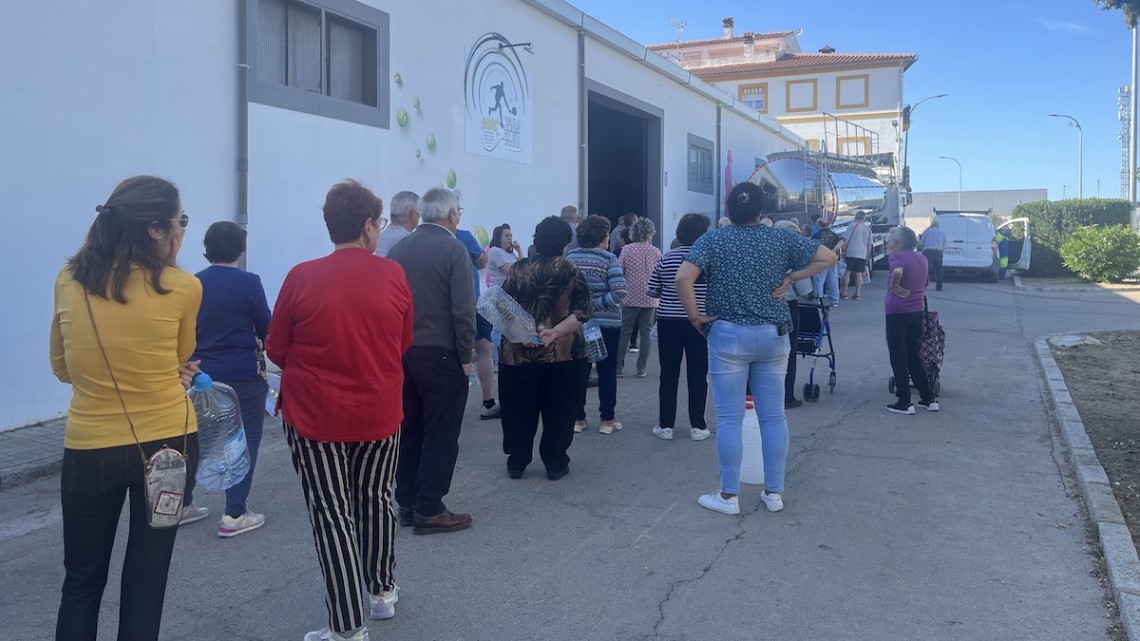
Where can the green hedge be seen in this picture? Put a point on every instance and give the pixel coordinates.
(1102, 254)
(1051, 222)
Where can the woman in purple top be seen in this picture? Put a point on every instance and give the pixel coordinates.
(905, 309)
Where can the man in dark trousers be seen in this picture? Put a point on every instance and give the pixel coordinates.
(437, 365)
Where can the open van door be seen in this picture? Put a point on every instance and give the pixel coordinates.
(1020, 243)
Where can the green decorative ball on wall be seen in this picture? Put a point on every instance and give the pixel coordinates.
(481, 236)
(418, 152)
(416, 103)
(402, 117)
(398, 79)
(451, 180)
(431, 142)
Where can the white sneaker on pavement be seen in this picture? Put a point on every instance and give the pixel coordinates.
(580, 426)
(230, 526)
(718, 503)
(932, 406)
(663, 433)
(773, 501)
(192, 513)
(697, 434)
(384, 606)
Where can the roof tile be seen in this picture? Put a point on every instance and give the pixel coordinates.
(771, 35)
(802, 61)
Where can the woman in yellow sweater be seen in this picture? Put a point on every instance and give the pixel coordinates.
(144, 309)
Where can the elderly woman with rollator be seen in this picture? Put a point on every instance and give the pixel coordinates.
(749, 267)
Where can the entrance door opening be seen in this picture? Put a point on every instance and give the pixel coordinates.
(624, 160)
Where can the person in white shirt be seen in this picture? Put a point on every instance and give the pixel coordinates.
(933, 245)
(502, 254)
(405, 218)
(856, 251)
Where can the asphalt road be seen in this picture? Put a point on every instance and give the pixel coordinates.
(956, 525)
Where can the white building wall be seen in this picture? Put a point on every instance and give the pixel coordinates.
(290, 174)
(119, 89)
(110, 90)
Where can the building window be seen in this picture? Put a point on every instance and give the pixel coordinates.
(754, 96)
(701, 164)
(853, 92)
(326, 57)
(800, 95)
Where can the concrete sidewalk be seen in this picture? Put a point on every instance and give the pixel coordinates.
(30, 453)
(956, 525)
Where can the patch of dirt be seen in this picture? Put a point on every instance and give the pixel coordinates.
(1104, 381)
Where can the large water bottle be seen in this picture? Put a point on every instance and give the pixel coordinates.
(752, 447)
(595, 346)
(508, 316)
(274, 382)
(223, 456)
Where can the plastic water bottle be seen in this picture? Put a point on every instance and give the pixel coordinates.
(274, 381)
(595, 346)
(508, 316)
(223, 456)
(752, 459)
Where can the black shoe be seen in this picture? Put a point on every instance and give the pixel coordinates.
(792, 403)
(899, 408)
(938, 289)
(407, 516)
(554, 475)
(513, 473)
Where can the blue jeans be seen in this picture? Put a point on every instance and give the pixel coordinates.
(739, 355)
(831, 275)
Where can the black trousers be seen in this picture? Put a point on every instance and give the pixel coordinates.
(904, 337)
(607, 377)
(793, 336)
(552, 391)
(934, 257)
(435, 395)
(677, 339)
(348, 491)
(93, 485)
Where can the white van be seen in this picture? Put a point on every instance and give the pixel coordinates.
(971, 244)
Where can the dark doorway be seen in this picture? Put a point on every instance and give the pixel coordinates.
(624, 160)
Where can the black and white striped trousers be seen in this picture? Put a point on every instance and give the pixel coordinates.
(348, 490)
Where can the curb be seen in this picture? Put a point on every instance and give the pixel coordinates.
(1019, 286)
(1119, 553)
(34, 471)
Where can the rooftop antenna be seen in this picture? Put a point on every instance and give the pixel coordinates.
(680, 26)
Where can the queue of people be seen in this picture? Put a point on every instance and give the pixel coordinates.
(723, 302)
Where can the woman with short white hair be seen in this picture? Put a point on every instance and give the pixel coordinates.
(905, 306)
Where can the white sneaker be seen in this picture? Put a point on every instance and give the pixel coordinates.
(718, 503)
(328, 635)
(774, 502)
(191, 513)
(384, 606)
(580, 426)
(698, 434)
(932, 406)
(230, 526)
(663, 433)
(609, 427)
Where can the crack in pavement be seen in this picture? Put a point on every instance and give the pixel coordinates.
(704, 571)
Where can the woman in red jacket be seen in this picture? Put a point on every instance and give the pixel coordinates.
(340, 328)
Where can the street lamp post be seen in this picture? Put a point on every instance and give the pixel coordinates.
(1080, 152)
(959, 178)
(909, 112)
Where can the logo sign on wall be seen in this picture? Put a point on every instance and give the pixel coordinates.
(500, 106)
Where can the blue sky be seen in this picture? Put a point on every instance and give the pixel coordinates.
(1005, 65)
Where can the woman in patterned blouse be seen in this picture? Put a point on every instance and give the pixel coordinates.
(547, 380)
(749, 266)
